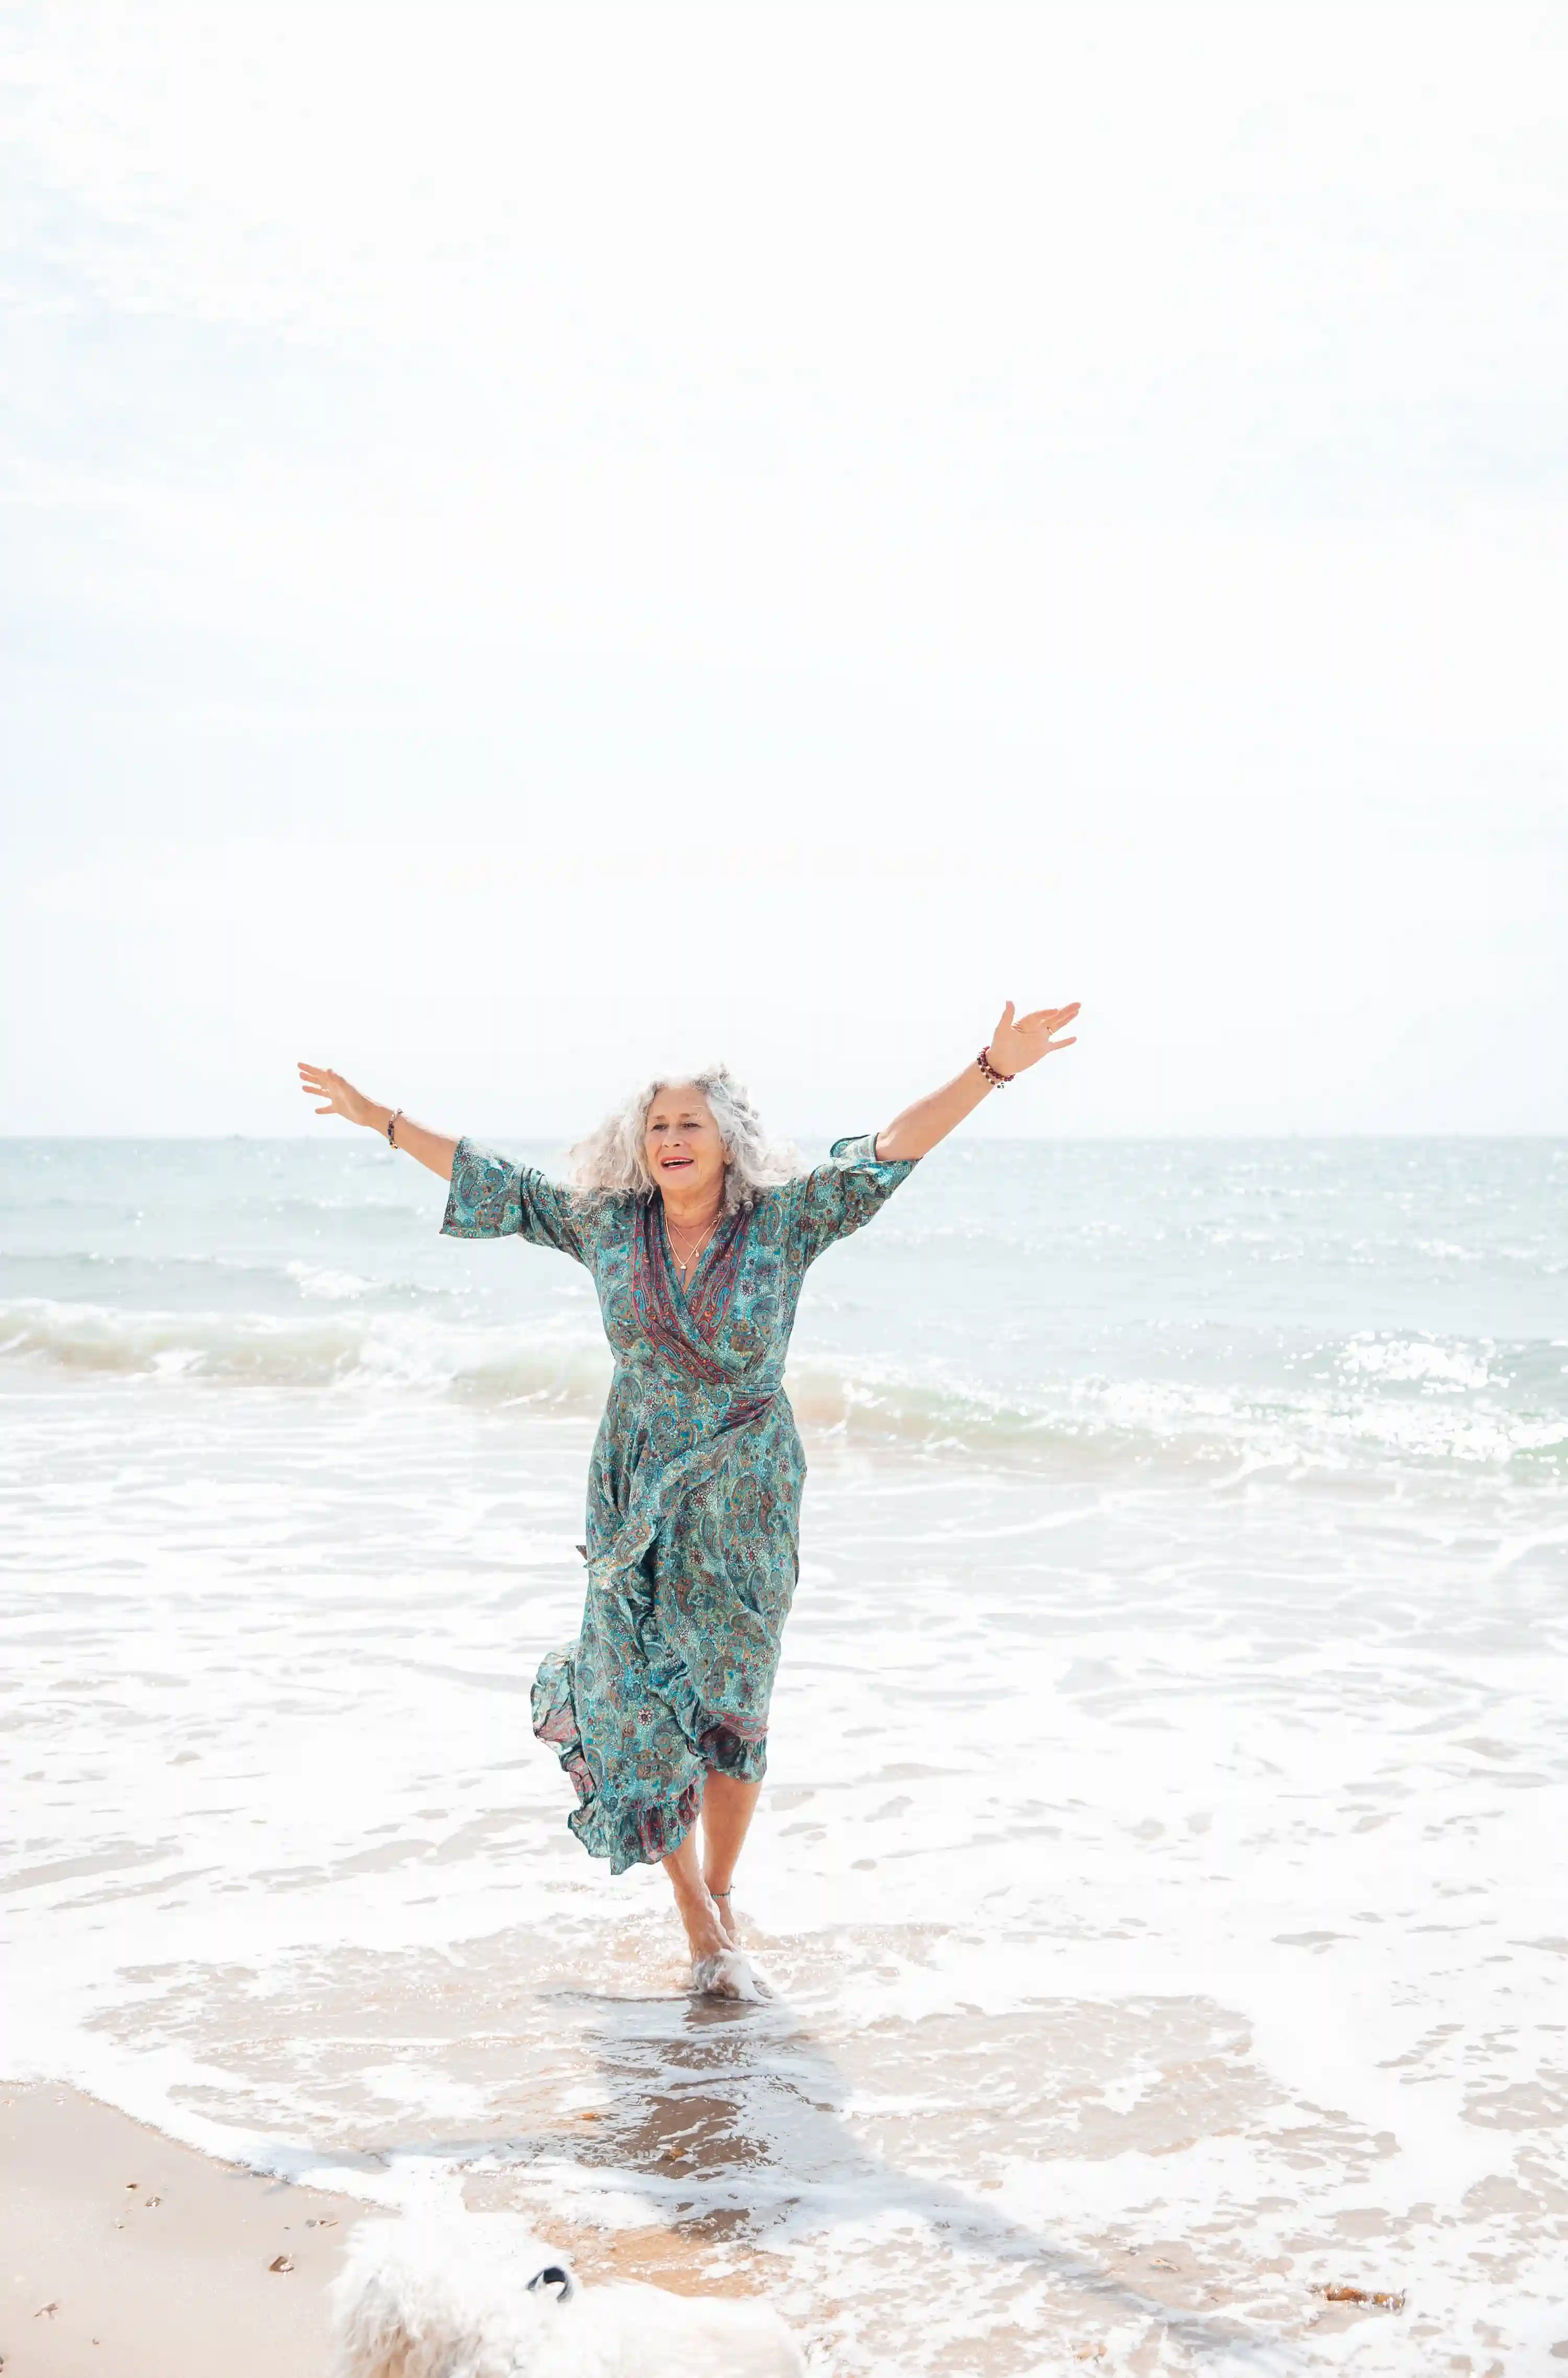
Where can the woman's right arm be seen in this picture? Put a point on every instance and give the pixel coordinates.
(431, 1148)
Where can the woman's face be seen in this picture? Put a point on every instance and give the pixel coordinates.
(681, 1142)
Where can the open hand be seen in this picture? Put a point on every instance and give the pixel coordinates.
(341, 1098)
(1021, 1041)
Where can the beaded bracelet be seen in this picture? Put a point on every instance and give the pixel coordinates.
(391, 1121)
(998, 1081)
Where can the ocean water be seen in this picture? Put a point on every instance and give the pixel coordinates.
(1162, 1865)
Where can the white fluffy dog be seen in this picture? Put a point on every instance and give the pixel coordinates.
(478, 2295)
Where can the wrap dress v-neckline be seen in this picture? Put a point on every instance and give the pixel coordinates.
(694, 1486)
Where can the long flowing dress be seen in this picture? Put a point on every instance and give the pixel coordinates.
(694, 1487)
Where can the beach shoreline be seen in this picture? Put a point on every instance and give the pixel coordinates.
(155, 2258)
(131, 2254)
(1159, 1864)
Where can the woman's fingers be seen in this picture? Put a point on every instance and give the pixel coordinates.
(320, 1081)
(1057, 1045)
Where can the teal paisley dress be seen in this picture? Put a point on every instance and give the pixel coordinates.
(694, 1489)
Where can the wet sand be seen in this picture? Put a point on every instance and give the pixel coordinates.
(154, 2258)
(123, 2255)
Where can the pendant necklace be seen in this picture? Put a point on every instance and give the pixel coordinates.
(682, 1269)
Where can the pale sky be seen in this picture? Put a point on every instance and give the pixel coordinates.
(544, 540)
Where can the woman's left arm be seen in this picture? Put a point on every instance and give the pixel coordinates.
(1017, 1043)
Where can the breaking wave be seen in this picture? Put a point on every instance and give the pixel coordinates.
(1394, 1398)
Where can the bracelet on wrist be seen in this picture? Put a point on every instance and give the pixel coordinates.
(996, 1080)
(392, 1120)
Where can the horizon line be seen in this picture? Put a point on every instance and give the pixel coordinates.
(989, 1139)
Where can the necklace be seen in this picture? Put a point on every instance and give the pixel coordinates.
(683, 1266)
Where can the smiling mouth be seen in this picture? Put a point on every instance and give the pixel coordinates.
(672, 1163)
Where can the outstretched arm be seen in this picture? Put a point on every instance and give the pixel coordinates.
(1016, 1044)
(431, 1148)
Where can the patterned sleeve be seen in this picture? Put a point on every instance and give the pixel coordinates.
(492, 1199)
(836, 1197)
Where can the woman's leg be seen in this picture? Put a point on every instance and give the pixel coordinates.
(728, 1806)
(698, 1911)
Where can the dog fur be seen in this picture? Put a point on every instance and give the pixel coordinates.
(478, 2295)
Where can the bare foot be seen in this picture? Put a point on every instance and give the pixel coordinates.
(705, 1933)
(724, 1901)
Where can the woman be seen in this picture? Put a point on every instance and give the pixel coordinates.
(698, 1235)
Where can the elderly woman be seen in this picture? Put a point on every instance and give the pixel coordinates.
(698, 1234)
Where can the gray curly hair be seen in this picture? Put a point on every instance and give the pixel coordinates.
(613, 1160)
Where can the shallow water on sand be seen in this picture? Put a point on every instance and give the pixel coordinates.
(1161, 1866)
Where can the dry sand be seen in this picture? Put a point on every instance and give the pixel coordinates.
(153, 2258)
